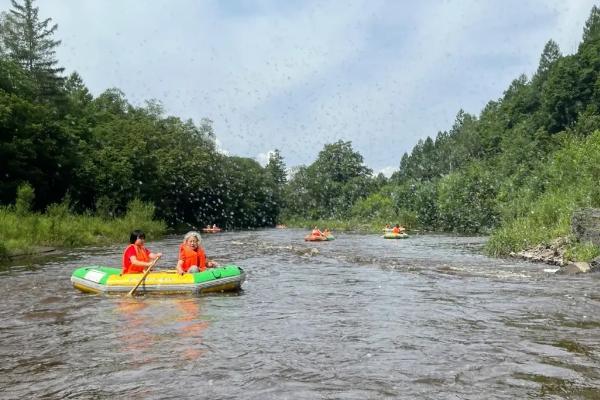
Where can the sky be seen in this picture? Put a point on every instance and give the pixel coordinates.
(296, 75)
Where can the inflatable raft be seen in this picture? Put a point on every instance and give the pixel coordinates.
(315, 238)
(107, 280)
(211, 230)
(390, 235)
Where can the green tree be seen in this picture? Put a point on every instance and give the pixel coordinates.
(591, 30)
(276, 168)
(550, 55)
(28, 41)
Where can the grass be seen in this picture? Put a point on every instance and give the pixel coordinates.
(24, 233)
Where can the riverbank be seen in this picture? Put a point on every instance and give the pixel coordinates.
(35, 233)
(348, 225)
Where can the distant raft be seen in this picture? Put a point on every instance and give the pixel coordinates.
(107, 280)
(390, 235)
(211, 230)
(318, 238)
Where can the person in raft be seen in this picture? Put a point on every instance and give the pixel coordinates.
(398, 229)
(192, 257)
(136, 257)
(387, 228)
(316, 232)
(326, 232)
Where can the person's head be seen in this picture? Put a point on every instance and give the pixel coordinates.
(135, 235)
(192, 239)
(397, 225)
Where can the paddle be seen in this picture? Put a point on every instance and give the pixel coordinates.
(132, 291)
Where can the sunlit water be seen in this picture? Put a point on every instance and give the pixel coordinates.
(360, 317)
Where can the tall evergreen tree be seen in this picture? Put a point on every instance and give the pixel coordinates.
(591, 30)
(550, 54)
(276, 168)
(28, 41)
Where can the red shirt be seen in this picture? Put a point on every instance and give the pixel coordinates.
(141, 253)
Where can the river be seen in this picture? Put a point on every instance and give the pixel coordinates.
(360, 317)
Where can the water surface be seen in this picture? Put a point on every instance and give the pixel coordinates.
(360, 317)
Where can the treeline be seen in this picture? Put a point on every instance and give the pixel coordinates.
(517, 170)
(98, 154)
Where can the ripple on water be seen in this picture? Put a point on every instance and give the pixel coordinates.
(359, 317)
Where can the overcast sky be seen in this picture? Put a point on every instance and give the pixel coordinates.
(295, 75)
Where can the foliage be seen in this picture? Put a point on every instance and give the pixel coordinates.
(572, 181)
(28, 41)
(24, 201)
(331, 185)
(61, 228)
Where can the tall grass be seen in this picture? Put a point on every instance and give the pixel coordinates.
(58, 227)
(573, 175)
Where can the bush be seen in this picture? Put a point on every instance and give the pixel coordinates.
(24, 201)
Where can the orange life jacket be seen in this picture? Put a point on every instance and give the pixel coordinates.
(396, 230)
(140, 253)
(192, 257)
(316, 232)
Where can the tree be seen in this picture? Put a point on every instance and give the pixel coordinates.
(550, 55)
(591, 30)
(28, 41)
(276, 168)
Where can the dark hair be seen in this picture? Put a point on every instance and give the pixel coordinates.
(135, 235)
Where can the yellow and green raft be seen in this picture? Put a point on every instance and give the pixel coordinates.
(107, 280)
(391, 235)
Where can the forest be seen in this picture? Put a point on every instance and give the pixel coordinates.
(516, 171)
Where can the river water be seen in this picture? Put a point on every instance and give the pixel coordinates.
(360, 317)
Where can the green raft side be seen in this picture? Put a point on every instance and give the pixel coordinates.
(224, 271)
(330, 237)
(107, 271)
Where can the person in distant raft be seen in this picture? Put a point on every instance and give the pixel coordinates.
(396, 229)
(316, 232)
(136, 258)
(192, 257)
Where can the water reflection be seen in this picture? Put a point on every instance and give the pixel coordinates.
(153, 326)
(133, 334)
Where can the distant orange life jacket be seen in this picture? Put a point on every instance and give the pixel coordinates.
(396, 230)
(141, 254)
(192, 257)
(316, 232)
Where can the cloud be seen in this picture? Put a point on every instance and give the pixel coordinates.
(263, 158)
(386, 171)
(297, 75)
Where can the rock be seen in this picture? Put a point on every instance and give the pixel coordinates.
(585, 225)
(574, 268)
(595, 265)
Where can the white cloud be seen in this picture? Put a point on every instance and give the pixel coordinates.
(386, 171)
(263, 158)
(274, 74)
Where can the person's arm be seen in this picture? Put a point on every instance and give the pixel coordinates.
(154, 255)
(139, 263)
(211, 263)
(179, 267)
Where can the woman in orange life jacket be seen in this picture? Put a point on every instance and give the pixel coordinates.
(316, 232)
(136, 258)
(192, 257)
